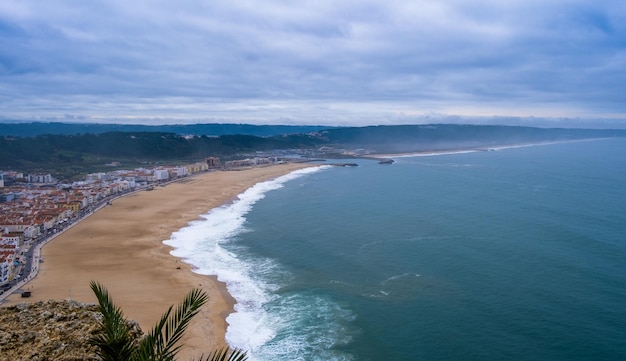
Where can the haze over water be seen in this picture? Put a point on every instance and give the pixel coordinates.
(510, 254)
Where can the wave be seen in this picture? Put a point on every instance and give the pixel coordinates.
(259, 323)
(433, 153)
(418, 154)
(397, 277)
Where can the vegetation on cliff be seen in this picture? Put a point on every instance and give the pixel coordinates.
(74, 331)
(50, 330)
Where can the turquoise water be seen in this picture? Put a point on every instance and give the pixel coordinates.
(510, 254)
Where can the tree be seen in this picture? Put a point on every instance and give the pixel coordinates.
(116, 343)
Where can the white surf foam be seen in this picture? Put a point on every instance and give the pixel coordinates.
(397, 277)
(433, 154)
(205, 245)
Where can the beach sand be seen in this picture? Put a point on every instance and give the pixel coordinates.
(121, 246)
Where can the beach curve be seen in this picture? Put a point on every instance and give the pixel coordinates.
(122, 247)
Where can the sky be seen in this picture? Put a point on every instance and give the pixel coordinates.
(538, 62)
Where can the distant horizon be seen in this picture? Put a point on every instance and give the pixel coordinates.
(535, 122)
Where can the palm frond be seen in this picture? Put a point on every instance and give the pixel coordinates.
(115, 342)
(226, 354)
(161, 344)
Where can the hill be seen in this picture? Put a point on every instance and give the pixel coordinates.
(416, 138)
(70, 155)
(32, 129)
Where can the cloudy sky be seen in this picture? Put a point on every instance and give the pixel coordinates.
(313, 62)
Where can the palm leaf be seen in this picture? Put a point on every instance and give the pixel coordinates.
(226, 354)
(115, 342)
(161, 344)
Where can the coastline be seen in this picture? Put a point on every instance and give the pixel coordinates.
(427, 153)
(122, 247)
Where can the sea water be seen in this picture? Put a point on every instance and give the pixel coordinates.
(515, 253)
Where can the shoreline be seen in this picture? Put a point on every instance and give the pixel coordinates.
(127, 254)
(427, 153)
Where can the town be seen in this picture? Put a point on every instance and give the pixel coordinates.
(34, 208)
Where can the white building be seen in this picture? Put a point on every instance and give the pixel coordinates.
(32, 231)
(161, 174)
(11, 238)
(39, 178)
(7, 256)
(180, 171)
(95, 177)
(5, 268)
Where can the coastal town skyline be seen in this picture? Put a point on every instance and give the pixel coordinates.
(36, 205)
(317, 63)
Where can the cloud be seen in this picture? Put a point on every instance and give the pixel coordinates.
(311, 61)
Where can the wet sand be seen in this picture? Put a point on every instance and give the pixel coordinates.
(121, 246)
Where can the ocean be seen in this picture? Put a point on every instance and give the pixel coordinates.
(516, 253)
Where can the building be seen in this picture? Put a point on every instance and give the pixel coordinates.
(197, 167)
(6, 263)
(7, 197)
(12, 237)
(213, 162)
(8, 254)
(161, 174)
(180, 171)
(39, 178)
(92, 177)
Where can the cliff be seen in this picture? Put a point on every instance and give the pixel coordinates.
(50, 330)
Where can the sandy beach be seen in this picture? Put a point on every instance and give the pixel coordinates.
(122, 247)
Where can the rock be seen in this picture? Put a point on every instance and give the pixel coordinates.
(50, 330)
